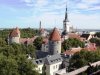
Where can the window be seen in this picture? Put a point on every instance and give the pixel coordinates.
(37, 62)
(39, 69)
(40, 61)
(56, 66)
(46, 46)
(53, 67)
(52, 42)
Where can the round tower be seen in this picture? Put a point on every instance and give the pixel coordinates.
(55, 42)
(14, 36)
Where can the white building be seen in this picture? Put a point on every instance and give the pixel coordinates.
(39, 63)
(52, 64)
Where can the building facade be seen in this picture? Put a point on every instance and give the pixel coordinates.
(55, 42)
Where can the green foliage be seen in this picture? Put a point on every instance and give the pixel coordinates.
(95, 40)
(38, 42)
(72, 42)
(43, 70)
(4, 33)
(2, 42)
(13, 59)
(98, 34)
(28, 32)
(83, 57)
(25, 33)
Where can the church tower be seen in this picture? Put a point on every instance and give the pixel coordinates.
(67, 27)
(55, 42)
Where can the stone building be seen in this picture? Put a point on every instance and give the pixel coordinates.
(14, 36)
(55, 42)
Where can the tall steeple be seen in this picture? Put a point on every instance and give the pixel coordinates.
(66, 15)
(65, 22)
(40, 24)
(67, 27)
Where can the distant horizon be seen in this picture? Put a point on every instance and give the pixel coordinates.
(47, 28)
(82, 14)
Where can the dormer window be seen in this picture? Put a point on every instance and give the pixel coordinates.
(37, 62)
(40, 61)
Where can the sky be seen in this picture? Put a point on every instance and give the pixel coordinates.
(82, 14)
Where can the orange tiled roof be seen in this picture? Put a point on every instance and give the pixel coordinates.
(42, 30)
(55, 35)
(91, 47)
(73, 35)
(72, 51)
(45, 40)
(15, 32)
(27, 40)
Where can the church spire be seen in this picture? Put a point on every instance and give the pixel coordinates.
(66, 15)
(40, 24)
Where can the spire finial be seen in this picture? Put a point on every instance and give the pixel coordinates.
(66, 7)
(40, 24)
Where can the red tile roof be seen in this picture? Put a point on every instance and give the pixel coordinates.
(45, 41)
(27, 40)
(73, 35)
(55, 35)
(72, 51)
(42, 30)
(14, 32)
(91, 47)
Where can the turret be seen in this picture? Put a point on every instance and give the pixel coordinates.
(42, 31)
(14, 36)
(55, 42)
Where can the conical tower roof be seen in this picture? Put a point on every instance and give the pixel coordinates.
(55, 35)
(14, 32)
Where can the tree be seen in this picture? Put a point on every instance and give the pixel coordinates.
(72, 42)
(13, 57)
(98, 34)
(2, 42)
(38, 43)
(95, 40)
(13, 60)
(83, 58)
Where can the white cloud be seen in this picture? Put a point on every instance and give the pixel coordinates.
(27, 1)
(41, 3)
(51, 13)
(85, 21)
(82, 6)
(91, 1)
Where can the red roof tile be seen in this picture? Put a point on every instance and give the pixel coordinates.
(45, 40)
(27, 40)
(15, 32)
(55, 35)
(91, 47)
